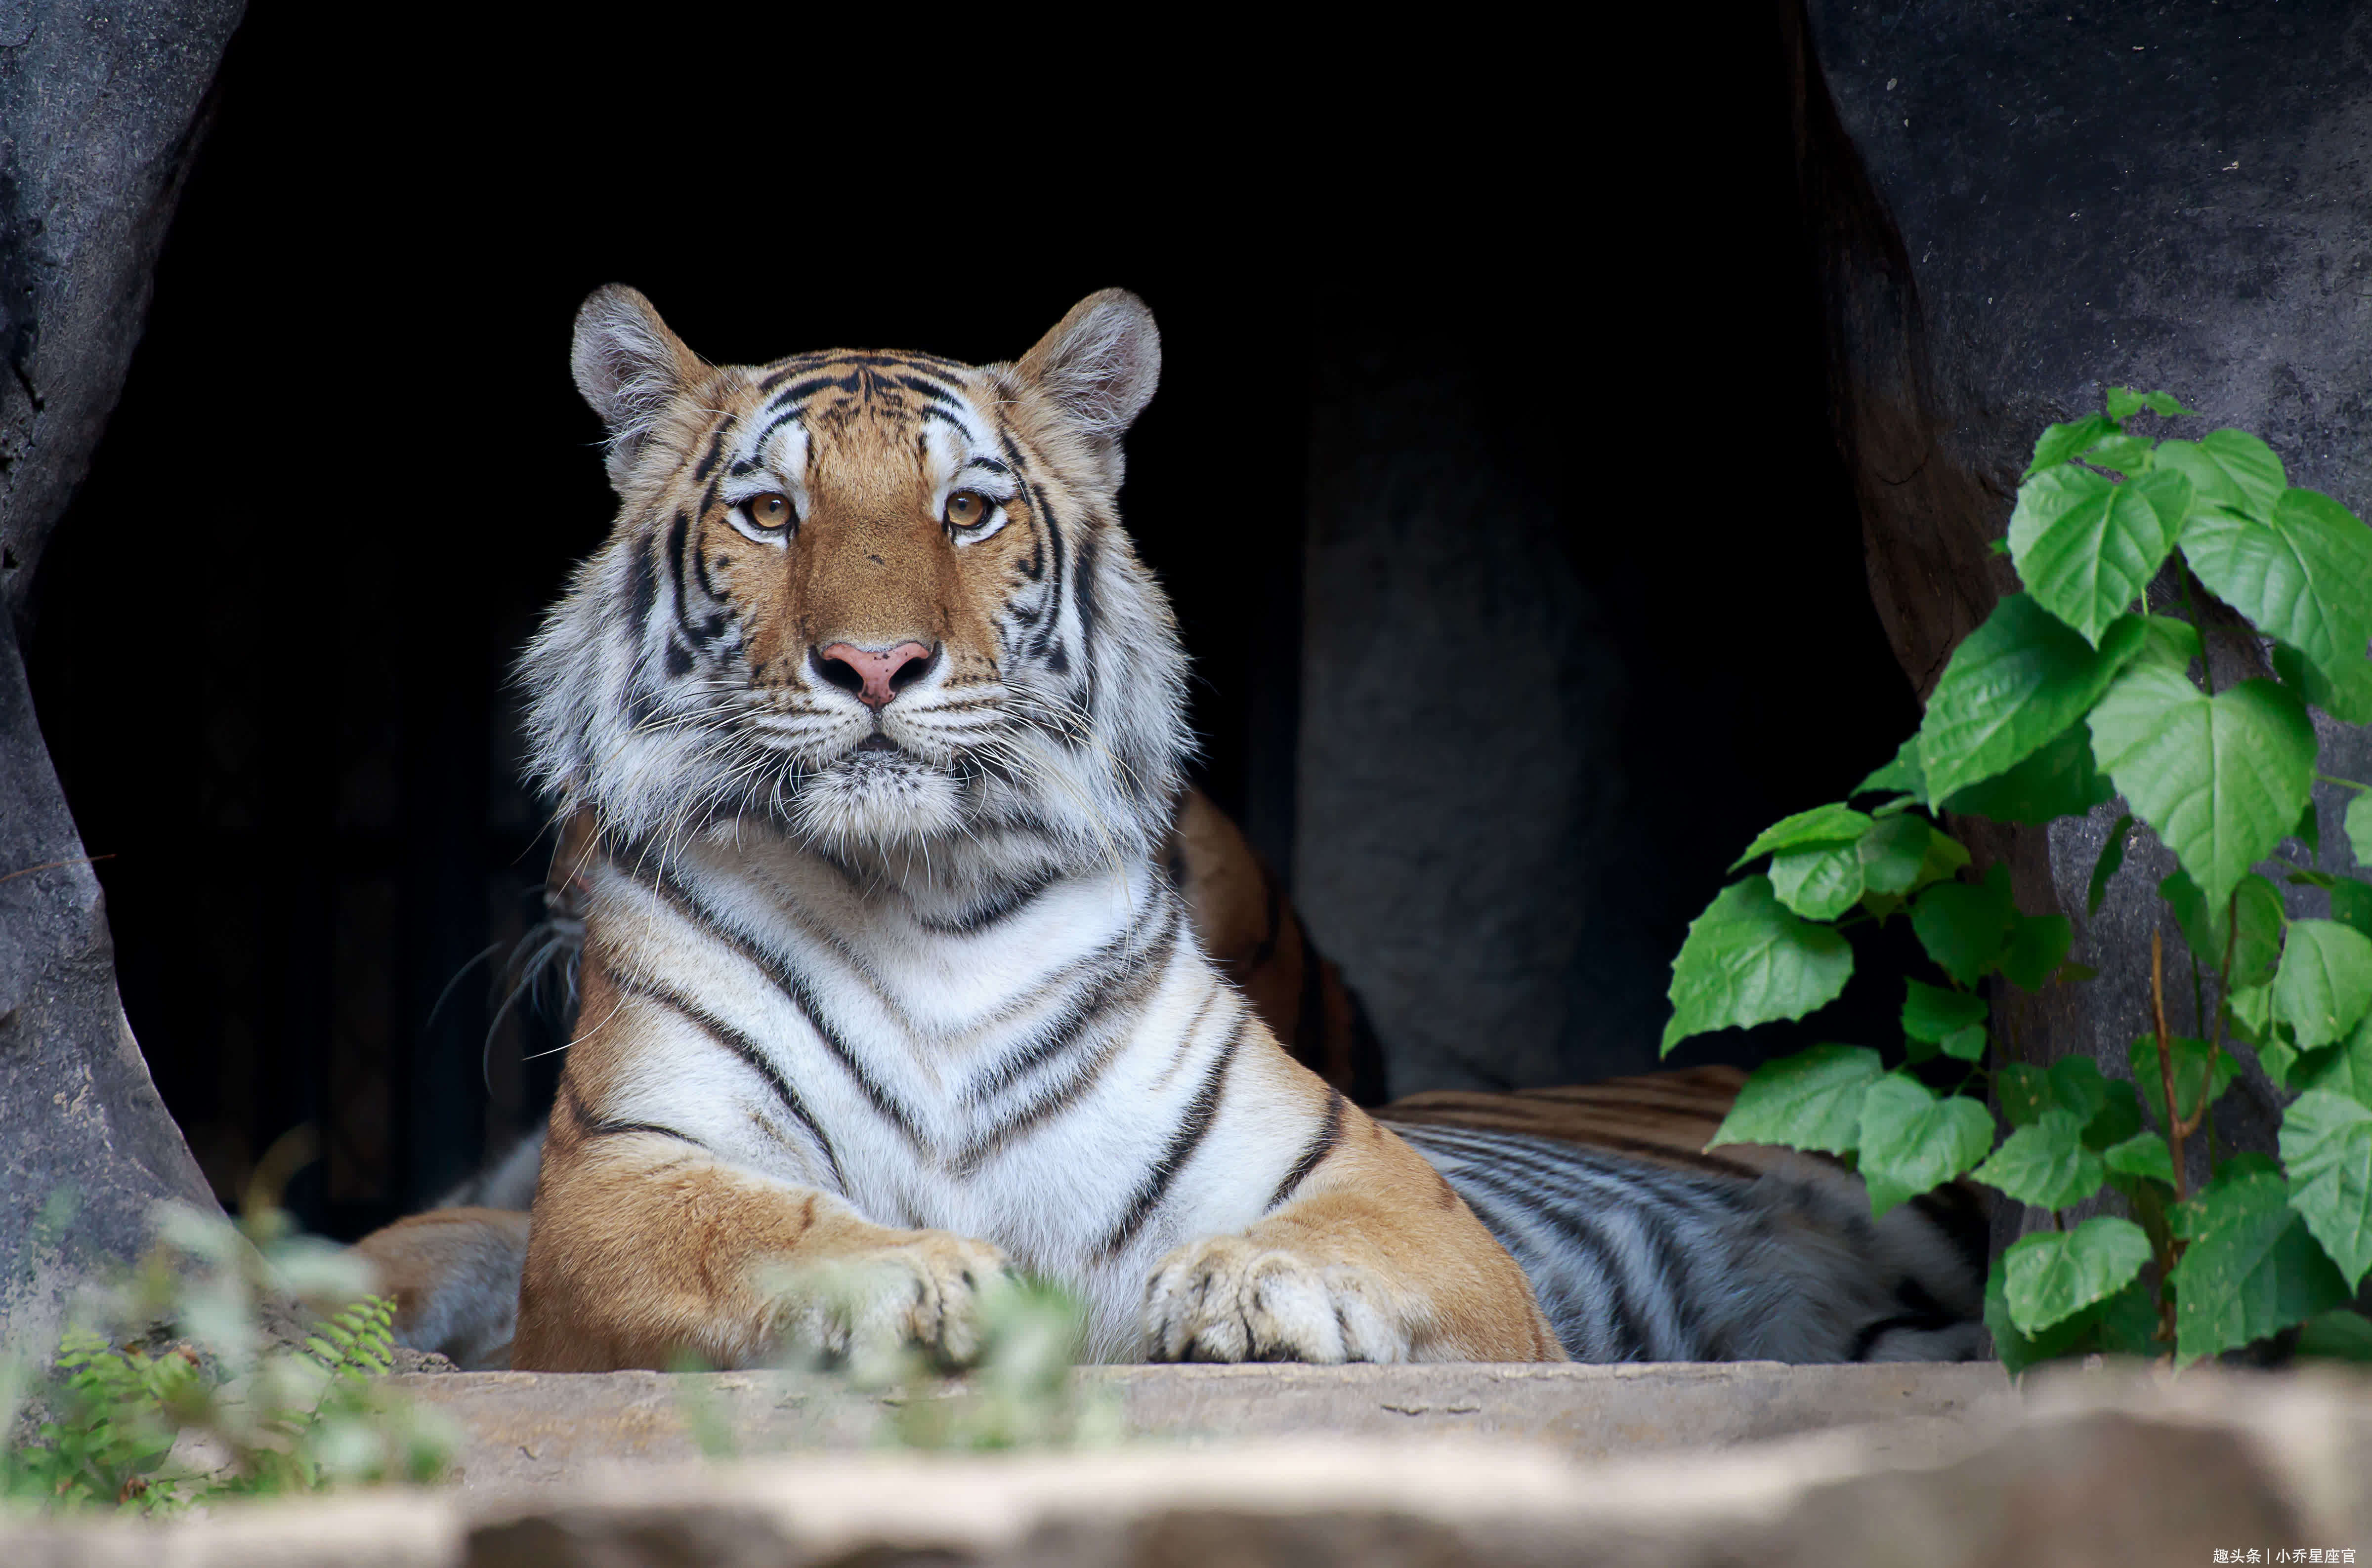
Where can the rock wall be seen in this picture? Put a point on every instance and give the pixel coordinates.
(101, 107)
(2013, 206)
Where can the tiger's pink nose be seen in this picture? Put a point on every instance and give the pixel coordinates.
(875, 678)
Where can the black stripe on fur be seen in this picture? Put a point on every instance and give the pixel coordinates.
(1330, 1135)
(1191, 1129)
(740, 1045)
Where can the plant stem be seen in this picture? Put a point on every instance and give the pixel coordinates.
(2344, 783)
(2216, 1034)
(2166, 1057)
(2174, 1126)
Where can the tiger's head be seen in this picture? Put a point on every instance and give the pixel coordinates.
(881, 601)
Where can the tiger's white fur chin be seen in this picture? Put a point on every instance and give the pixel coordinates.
(878, 800)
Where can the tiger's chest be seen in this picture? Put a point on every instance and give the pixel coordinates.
(1006, 1069)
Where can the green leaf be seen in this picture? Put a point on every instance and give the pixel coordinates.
(2124, 402)
(2124, 1324)
(2119, 1120)
(2252, 1269)
(2277, 1059)
(2012, 685)
(2337, 1335)
(1809, 1100)
(2143, 1155)
(2106, 1110)
(2303, 575)
(2358, 821)
(1963, 926)
(2324, 987)
(2018, 1352)
(1904, 774)
(2025, 1092)
(2229, 1199)
(2053, 1275)
(2061, 780)
(2045, 1163)
(1820, 882)
(2205, 930)
(2250, 1008)
(2346, 1071)
(2077, 1085)
(1911, 1141)
(1748, 961)
(1892, 852)
(2059, 443)
(2170, 642)
(2086, 547)
(2227, 467)
(2127, 1323)
(2105, 869)
(1932, 1014)
(2326, 1142)
(2193, 1070)
(2130, 455)
(2221, 780)
(2345, 691)
(2036, 944)
(1943, 860)
(1965, 1045)
(1832, 824)
(2259, 926)
(2351, 904)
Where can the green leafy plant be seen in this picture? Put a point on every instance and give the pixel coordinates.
(226, 1408)
(2076, 692)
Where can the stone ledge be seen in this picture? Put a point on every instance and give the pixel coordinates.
(2091, 1468)
(536, 1428)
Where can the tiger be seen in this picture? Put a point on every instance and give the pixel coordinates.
(1639, 1242)
(1648, 1240)
(1644, 1239)
(885, 994)
(452, 1271)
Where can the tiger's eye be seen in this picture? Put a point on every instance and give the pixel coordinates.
(772, 510)
(967, 510)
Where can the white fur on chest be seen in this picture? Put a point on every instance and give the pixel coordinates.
(923, 1075)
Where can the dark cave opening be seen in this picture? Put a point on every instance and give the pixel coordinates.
(1541, 374)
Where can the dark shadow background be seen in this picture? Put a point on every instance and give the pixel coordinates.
(270, 644)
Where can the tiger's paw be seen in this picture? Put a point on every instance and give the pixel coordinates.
(923, 1293)
(1229, 1298)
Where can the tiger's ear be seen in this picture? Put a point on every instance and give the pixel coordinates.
(630, 368)
(1100, 362)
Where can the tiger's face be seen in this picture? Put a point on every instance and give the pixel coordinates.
(881, 601)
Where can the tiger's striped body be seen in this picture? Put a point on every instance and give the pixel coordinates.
(879, 720)
(1645, 1244)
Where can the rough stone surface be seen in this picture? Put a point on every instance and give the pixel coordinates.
(526, 1428)
(2013, 206)
(1425, 556)
(101, 108)
(79, 1113)
(2115, 1469)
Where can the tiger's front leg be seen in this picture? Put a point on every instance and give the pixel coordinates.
(645, 1250)
(1374, 1259)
